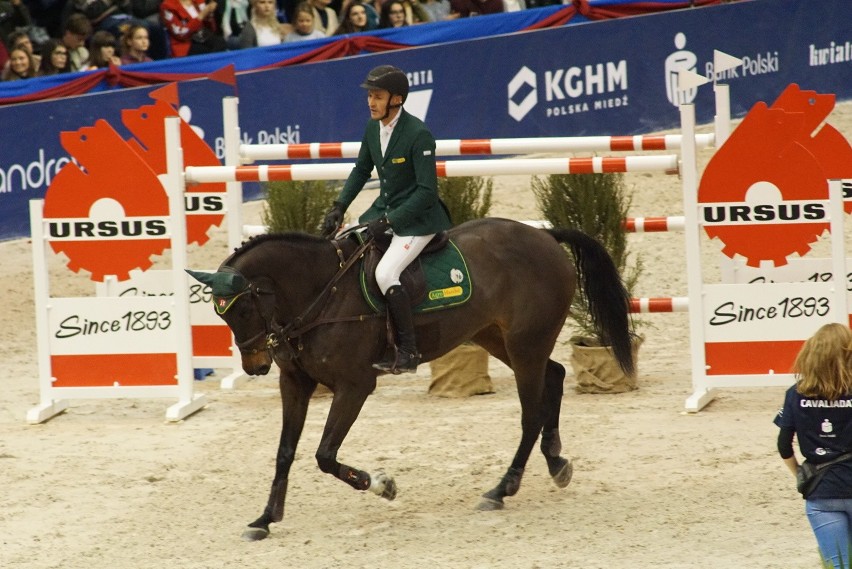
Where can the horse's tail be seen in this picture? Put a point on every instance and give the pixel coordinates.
(608, 299)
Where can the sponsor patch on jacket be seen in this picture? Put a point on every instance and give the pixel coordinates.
(398, 160)
(427, 153)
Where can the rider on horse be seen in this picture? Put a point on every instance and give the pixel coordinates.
(402, 149)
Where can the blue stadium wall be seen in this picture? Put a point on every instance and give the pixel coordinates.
(595, 78)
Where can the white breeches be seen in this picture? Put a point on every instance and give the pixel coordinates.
(402, 251)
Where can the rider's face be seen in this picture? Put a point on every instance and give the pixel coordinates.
(378, 101)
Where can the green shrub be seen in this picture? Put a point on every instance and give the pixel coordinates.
(597, 205)
(297, 206)
(467, 197)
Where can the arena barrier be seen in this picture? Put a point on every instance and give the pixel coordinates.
(120, 347)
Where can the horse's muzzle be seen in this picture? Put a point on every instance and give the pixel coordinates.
(258, 363)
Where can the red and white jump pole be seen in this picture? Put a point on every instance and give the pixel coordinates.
(488, 146)
(660, 304)
(667, 163)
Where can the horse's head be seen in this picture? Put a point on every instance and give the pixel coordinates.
(247, 309)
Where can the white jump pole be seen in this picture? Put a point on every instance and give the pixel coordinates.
(234, 189)
(722, 119)
(188, 402)
(689, 176)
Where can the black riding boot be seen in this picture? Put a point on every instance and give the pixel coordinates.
(407, 357)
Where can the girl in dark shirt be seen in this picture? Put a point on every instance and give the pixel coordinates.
(818, 412)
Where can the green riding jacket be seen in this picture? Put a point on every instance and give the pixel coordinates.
(408, 180)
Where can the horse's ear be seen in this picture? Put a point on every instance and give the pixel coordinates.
(221, 283)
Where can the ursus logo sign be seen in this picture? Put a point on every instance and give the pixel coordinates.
(111, 215)
(763, 194)
(108, 212)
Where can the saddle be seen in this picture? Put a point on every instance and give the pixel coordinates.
(413, 277)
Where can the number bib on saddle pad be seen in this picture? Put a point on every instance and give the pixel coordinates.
(435, 280)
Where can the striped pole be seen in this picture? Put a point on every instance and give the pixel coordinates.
(654, 224)
(491, 146)
(634, 224)
(667, 163)
(661, 304)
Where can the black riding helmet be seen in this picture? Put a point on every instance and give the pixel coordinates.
(389, 78)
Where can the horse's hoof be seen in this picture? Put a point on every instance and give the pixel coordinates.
(255, 534)
(563, 477)
(383, 486)
(490, 505)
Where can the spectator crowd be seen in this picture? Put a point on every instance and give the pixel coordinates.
(47, 37)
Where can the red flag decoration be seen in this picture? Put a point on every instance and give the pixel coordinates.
(167, 94)
(225, 75)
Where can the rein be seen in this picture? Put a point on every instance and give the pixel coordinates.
(301, 324)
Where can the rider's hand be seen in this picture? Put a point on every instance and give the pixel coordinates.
(333, 220)
(378, 226)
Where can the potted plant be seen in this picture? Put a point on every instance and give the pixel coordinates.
(463, 371)
(297, 206)
(596, 204)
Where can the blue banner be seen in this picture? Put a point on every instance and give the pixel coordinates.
(595, 78)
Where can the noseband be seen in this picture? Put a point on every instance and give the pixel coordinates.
(271, 330)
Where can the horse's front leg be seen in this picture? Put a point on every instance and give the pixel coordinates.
(296, 390)
(345, 407)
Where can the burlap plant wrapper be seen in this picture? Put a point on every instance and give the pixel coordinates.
(596, 369)
(461, 372)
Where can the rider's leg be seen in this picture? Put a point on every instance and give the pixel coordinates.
(401, 252)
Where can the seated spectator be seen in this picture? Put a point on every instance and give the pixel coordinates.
(438, 10)
(22, 39)
(21, 65)
(114, 16)
(54, 58)
(466, 8)
(134, 45)
(415, 13)
(192, 27)
(13, 15)
(75, 33)
(148, 13)
(369, 6)
(232, 16)
(393, 15)
(303, 24)
(353, 19)
(102, 50)
(325, 19)
(263, 29)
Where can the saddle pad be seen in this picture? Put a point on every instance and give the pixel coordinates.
(447, 281)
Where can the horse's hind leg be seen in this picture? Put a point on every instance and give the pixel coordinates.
(551, 446)
(529, 375)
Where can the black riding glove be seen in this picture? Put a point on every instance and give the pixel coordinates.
(378, 226)
(333, 220)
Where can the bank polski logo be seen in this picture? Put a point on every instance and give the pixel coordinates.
(522, 93)
(677, 61)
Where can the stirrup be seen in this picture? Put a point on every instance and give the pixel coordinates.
(402, 362)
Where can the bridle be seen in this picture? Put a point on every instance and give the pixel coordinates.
(264, 303)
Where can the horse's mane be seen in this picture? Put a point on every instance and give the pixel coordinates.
(257, 240)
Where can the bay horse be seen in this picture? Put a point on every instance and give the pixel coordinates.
(293, 299)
